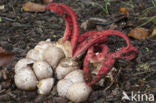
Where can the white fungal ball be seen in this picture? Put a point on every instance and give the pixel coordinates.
(25, 79)
(63, 86)
(75, 76)
(65, 46)
(66, 66)
(53, 55)
(42, 70)
(78, 92)
(45, 85)
(44, 45)
(22, 63)
(35, 54)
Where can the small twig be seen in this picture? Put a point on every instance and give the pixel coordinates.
(149, 20)
(115, 78)
(141, 73)
(110, 85)
(150, 75)
(9, 19)
(2, 91)
(13, 9)
(106, 7)
(146, 11)
(21, 25)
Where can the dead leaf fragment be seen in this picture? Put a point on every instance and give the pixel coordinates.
(33, 7)
(113, 26)
(99, 27)
(5, 58)
(5, 73)
(154, 32)
(1, 7)
(2, 50)
(84, 25)
(125, 11)
(139, 33)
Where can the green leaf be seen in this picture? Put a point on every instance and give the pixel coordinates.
(54, 36)
(21, 9)
(0, 19)
(147, 49)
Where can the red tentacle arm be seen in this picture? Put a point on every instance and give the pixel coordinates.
(128, 52)
(105, 69)
(110, 60)
(97, 38)
(90, 54)
(89, 40)
(84, 36)
(59, 10)
(72, 27)
(124, 53)
(102, 56)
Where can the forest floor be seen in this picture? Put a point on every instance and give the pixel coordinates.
(20, 31)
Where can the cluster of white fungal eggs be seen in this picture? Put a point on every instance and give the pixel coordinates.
(47, 58)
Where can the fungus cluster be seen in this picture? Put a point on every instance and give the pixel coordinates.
(59, 57)
(46, 59)
(34, 70)
(73, 87)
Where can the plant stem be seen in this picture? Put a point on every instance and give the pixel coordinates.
(153, 2)
(106, 7)
(149, 20)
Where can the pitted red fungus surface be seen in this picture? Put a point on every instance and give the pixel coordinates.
(87, 42)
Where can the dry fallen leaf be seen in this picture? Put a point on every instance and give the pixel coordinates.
(33, 7)
(5, 73)
(113, 26)
(1, 7)
(139, 33)
(99, 27)
(5, 58)
(154, 32)
(125, 11)
(84, 25)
